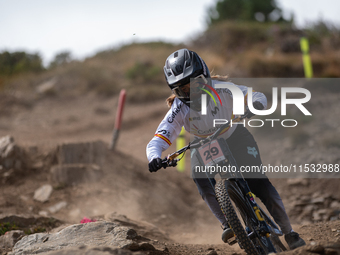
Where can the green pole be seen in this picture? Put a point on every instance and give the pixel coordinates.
(307, 63)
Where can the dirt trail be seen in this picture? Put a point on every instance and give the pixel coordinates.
(168, 199)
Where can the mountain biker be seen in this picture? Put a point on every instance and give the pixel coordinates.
(185, 110)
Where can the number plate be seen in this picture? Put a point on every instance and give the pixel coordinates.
(211, 153)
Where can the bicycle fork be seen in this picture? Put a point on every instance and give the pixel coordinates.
(263, 230)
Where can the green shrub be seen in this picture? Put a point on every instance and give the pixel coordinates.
(19, 62)
(7, 226)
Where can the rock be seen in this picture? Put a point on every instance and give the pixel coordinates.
(85, 250)
(8, 176)
(82, 153)
(335, 204)
(124, 233)
(299, 203)
(323, 211)
(147, 247)
(333, 218)
(307, 210)
(79, 162)
(6, 146)
(303, 198)
(298, 182)
(316, 249)
(8, 240)
(329, 251)
(43, 213)
(57, 207)
(43, 193)
(212, 252)
(100, 233)
(144, 228)
(317, 194)
(24, 198)
(47, 87)
(11, 156)
(71, 174)
(334, 214)
(316, 216)
(330, 248)
(318, 200)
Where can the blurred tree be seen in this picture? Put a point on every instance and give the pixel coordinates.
(246, 10)
(18, 62)
(61, 58)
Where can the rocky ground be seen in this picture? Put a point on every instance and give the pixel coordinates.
(56, 169)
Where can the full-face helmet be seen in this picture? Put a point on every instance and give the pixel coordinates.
(180, 68)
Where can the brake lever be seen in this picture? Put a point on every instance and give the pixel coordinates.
(165, 162)
(169, 161)
(173, 162)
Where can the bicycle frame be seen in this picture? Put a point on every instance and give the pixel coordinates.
(263, 229)
(243, 186)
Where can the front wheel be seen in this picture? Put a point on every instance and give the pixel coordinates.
(242, 219)
(229, 211)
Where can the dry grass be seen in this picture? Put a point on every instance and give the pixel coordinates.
(136, 67)
(233, 49)
(277, 65)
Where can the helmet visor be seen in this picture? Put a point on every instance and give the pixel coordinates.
(191, 90)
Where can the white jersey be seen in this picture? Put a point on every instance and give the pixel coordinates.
(194, 122)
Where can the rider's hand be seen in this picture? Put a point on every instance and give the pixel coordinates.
(155, 165)
(257, 105)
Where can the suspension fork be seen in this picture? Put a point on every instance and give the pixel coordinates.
(243, 185)
(264, 229)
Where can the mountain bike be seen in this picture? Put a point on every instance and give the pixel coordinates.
(254, 230)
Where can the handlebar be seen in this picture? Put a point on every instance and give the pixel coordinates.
(171, 159)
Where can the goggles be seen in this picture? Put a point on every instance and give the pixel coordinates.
(192, 88)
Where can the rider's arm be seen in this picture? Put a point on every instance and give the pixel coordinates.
(257, 96)
(167, 131)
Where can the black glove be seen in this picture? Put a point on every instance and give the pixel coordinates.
(257, 105)
(155, 165)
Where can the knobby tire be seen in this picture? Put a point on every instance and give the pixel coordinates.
(233, 220)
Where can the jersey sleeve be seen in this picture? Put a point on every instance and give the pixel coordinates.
(257, 96)
(167, 131)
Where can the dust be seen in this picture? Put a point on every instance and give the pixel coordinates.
(167, 199)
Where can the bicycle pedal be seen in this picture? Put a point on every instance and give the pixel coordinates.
(232, 241)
